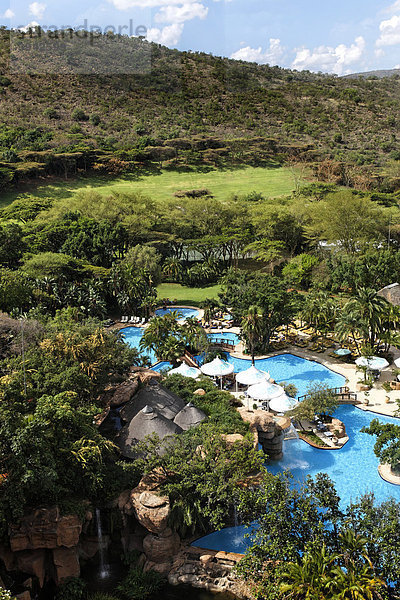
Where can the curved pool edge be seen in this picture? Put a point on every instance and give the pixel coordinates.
(288, 351)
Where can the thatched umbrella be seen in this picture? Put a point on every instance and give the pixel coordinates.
(190, 416)
(147, 422)
(158, 397)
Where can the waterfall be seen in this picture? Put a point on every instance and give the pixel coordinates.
(291, 433)
(104, 567)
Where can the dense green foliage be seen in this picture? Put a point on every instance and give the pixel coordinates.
(139, 584)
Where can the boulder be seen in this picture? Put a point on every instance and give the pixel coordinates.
(23, 595)
(161, 549)
(7, 557)
(66, 563)
(45, 528)
(150, 507)
(32, 563)
(124, 393)
(199, 392)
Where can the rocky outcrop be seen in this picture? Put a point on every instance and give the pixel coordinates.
(152, 510)
(66, 563)
(145, 375)
(208, 570)
(150, 507)
(268, 429)
(161, 548)
(44, 545)
(124, 393)
(33, 563)
(337, 428)
(45, 528)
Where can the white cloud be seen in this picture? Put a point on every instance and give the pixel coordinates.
(390, 32)
(329, 59)
(167, 36)
(393, 8)
(180, 14)
(8, 14)
(37, 9)
(270, 55)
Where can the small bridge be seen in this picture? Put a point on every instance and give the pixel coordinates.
(222, 343)
(342, 393)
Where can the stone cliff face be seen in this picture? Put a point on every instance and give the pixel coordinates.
(44, 544)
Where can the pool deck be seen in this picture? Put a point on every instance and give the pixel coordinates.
(376, 396)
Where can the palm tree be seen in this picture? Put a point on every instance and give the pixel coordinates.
(370, 311)
(251, 328)
(173, 268)
(309, 577)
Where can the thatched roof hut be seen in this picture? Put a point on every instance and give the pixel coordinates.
(158, 398)
(189, 416)
(148, 421)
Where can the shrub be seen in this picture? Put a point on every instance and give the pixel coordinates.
(139, 585)
(51, 113)
(72, 588)
(79, 115)
(102, 596)
(95, 120)
(5, 594)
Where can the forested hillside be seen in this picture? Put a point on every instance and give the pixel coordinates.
(193, 108)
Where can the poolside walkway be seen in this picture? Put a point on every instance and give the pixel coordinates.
(376, 396)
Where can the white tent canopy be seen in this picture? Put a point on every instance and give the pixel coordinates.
(265, 391)
(373, 363)
(185, 371)
(251, 376)
(282, 404)
(217, 368)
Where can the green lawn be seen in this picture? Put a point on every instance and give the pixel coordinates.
(271, 182)
(187, 295)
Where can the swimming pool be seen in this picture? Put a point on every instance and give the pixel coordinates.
(132, 336)
(184, 312)
(354, 470)
(291, 369)
(225, 335)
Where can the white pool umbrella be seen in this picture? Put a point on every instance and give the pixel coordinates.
(185, 371)
(397, 363)
(217, 368)
(373, 363)
(265, 391)
(252, 376)
(282, 404)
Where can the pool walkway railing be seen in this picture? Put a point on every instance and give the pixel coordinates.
(342, 393)
(223, 343)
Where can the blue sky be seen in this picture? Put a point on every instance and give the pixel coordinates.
(338, 37)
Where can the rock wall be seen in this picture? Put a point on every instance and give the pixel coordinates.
(44, 545)
(268, 430)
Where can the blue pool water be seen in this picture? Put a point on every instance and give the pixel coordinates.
(132, 336)
(354, 470)
(184, 313)
(292, 369)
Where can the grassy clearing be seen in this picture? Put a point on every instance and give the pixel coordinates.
(187, 295)
(271, 182)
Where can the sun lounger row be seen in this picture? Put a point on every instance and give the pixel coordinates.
(133, 320)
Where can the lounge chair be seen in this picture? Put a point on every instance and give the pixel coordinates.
(132, 320)
(124, 319)
(143, 321)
